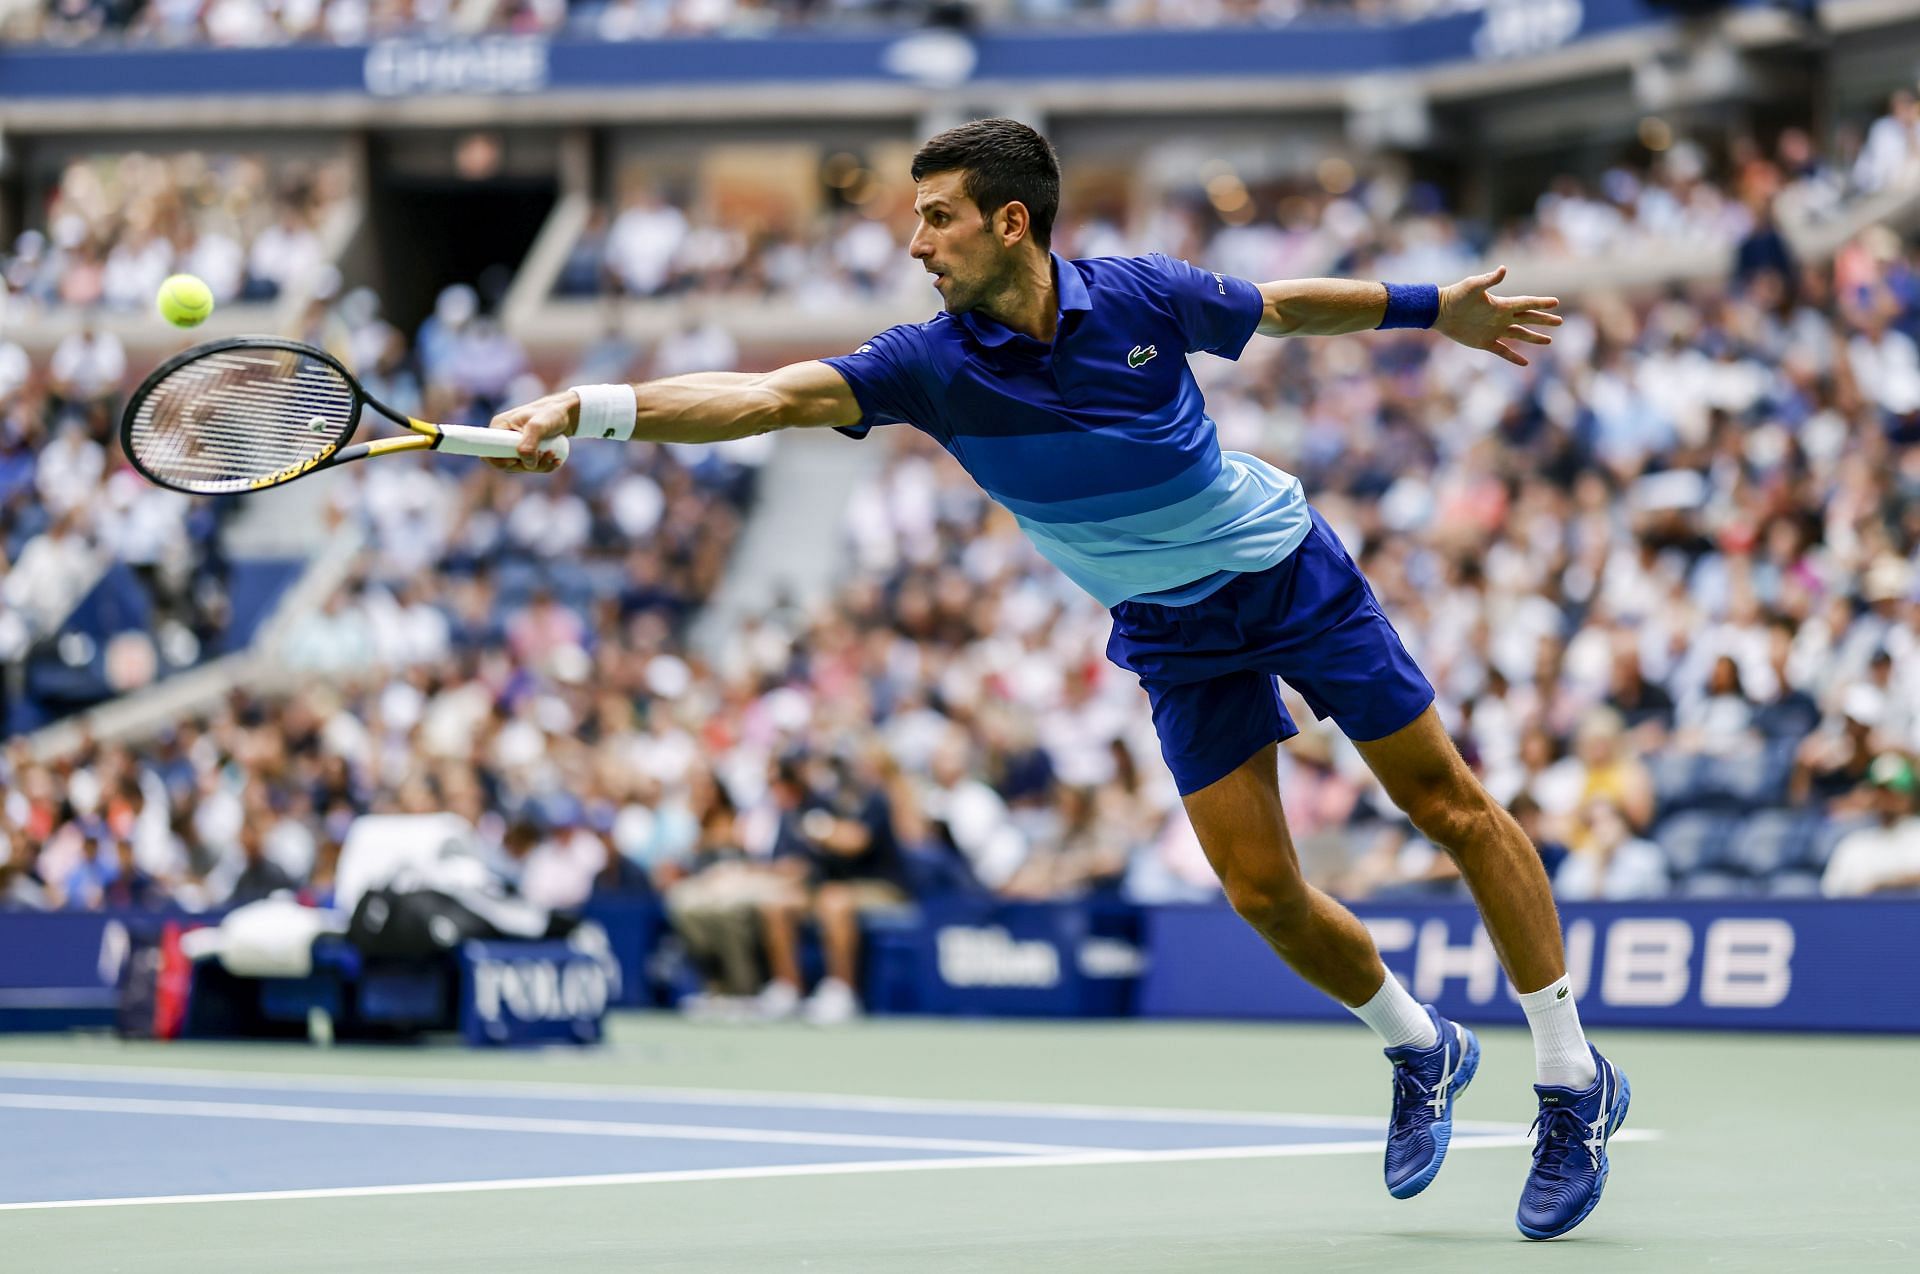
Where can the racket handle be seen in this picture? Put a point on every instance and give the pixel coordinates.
(494, 444)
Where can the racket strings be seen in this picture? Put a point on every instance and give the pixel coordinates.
(227, 420)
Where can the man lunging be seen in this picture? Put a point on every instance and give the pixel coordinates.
(1063, 388)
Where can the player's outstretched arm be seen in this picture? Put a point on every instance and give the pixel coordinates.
(1467, 312)
(1321, 307)
(702, 407)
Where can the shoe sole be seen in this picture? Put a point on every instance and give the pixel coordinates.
(1606, 1166)
(1443, 1131)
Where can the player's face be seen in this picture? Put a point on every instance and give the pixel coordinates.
(955, 243)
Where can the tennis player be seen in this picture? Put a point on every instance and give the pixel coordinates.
(1063, 389)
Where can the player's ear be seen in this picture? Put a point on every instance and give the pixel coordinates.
(1012, 222)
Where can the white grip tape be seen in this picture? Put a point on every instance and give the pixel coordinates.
(606, 411)
(494, 444)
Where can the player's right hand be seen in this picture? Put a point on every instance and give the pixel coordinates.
(556, 415)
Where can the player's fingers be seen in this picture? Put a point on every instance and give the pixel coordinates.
(1490, 278)
(1528, 335)
(1500, 349)
(535, 429)
(1541, 317)
(514, 419)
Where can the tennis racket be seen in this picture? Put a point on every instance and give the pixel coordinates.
(256, 412)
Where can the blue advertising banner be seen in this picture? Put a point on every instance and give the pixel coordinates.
(632, 926)
(59, 968)
(534, 992)
(1010, 960)
(508, 65)
(1787, 965)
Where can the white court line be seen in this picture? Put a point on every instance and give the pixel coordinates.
(1089, 1159)
(182, 1077)
(513, 1123)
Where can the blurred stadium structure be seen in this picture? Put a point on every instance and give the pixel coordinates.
(1664, 579)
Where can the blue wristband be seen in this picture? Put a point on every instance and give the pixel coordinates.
(1411, 305)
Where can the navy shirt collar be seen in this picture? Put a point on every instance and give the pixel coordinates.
(1072, 291)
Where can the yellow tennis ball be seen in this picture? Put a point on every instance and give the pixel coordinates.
(185, 301)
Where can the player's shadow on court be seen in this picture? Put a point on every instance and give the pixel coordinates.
(1480, 1238)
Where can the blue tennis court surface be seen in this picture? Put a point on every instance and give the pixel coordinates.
(90, 1136)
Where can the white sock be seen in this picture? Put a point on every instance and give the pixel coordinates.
(1396, 1017)
(1560, 1053)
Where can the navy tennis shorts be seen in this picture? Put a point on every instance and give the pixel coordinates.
(1209, 667)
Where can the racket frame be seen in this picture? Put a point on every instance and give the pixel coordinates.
(424, 436)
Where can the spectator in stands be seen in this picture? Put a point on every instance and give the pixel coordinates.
(1892, 145)
(129, 886)
(554, 868)
(1609, 861)
(1553, 851)
(715, 908)
(1883, 858)
(88, 368)
(1645, 708)
(21, 888)
(259, 877)
(288, 253)
(1791, 713)
(839, 849)
(1718, 720)
(967, 818)
(1610, 773)
(1832, 765)
(644, 239)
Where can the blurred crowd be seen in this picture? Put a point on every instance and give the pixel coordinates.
(538, 603)
(1673, 201)
(250, 23)
(1663, 579)
(114, 226)
(70, 506)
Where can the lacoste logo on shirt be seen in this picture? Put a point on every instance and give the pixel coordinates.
(1139, 354)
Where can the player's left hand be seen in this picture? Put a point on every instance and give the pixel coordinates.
(1475, 317)
(555, 415)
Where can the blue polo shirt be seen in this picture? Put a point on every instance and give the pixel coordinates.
(1099, 444)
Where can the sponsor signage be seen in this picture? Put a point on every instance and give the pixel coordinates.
(1038, 959)
(1784, 965)
(534, 992)
(507, 65)
(490, 65)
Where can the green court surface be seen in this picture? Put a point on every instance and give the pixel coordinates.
(1774, 1152)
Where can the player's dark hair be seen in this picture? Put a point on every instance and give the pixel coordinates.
(1004, 162)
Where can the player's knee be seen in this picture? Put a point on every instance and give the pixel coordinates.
(1457, 816)
(1272, 902)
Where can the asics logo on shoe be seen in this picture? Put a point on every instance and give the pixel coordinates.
(1596, 1139)
(1449, 1061)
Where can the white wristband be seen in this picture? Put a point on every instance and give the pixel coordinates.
(606, 411)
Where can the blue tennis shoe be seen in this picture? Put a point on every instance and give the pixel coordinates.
(1425, 1083)
(1570, 1153)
